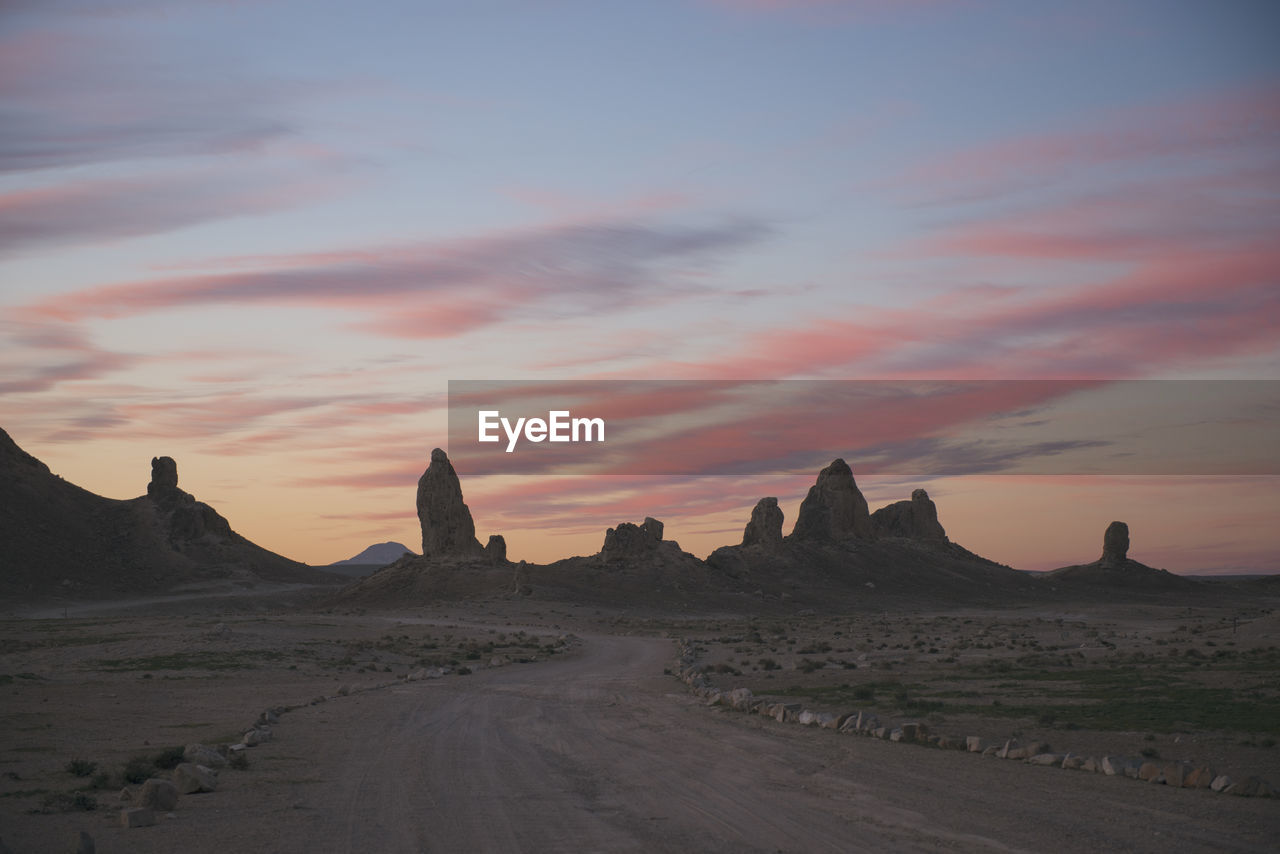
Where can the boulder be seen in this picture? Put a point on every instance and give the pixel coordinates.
(765, 528)
(191, 778)
(1199, 777)
(834, 509)
(1113, 766)
(159, 795)
(1222, 781)
(203, 755)
(1151, 772)
(1115, 544)
(1073, 761)
(975, 744)
(914, 732)
(137, 817)
(916, 519)
(447, 528)
(1054, 759)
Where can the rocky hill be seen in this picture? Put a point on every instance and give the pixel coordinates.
(1115, 570)
(57, 538)
(839, 549)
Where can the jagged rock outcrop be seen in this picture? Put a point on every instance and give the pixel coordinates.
(631, 540)
(496, 549)
(1115, 544)
(916, 519)
(447, 527)
(56, 538)
(164, 477)
(186, 519)
(834, 509)
(1115, 570)
(765, 527)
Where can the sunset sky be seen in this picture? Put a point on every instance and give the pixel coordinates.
(262, 237)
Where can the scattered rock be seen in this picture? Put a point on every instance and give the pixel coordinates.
(159, 795)
(1046, 759)
(191, 778)
(137, 817)
(202, 755)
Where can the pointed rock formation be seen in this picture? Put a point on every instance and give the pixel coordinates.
(1115, 544)
(834, 509)
(187, 519)
(496, 549)
(765, 527)
(916, 519)
(447, 528)
(631, 540)
(164, 477)
(1116, 570)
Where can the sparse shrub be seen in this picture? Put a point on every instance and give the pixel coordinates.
(808, 665)
(1149, 737)
(101, 780)
(463, 671)
(239, 760)
(67, 802)
(1048, 719)
(170, 757)
(1150, 752)
(81, 767)
(864, 692)
(139, 769)
(769, 664)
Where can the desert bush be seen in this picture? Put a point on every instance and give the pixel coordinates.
(139, 769)
(67, 802)
(239, 760)
(769, 664)
(170, 757)
(81, 767)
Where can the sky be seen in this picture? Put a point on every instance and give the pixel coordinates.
(263, 237)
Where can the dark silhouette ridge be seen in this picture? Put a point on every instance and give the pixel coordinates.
(57, 538)
(1116, 570)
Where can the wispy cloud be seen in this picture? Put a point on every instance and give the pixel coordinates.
(448, 287)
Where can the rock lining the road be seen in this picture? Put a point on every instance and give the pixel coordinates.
(1175, 773)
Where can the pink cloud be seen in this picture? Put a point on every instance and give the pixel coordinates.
(419, 291)
(1241, 122)
(116, 209)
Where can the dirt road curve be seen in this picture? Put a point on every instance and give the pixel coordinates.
(599, 752)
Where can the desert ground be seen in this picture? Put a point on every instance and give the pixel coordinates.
(510, 724)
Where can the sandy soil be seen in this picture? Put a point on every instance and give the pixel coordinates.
(587, 747)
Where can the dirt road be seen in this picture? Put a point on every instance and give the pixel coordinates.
(597, 751)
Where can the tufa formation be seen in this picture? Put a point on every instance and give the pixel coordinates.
(631, 540)
(447, 528)
(1115, 544)
(765, 527)
(916, 519)
(834, 509)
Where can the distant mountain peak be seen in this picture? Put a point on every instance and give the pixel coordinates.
(378, 553)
